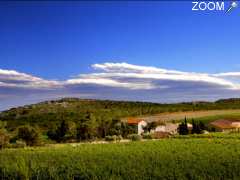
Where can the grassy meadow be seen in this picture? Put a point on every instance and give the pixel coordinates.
(214, 157)
(198, 156)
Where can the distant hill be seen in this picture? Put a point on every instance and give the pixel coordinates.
(47, 113)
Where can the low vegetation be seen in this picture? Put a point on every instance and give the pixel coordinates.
(185, 158)
(46, 115)
(189, 155)
(76, 120)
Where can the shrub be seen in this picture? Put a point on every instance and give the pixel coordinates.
(134, 137)
(147, 136)
(4, 138)
(28, 134)
(60, 133)
(119, 138)
(113, 138)
(19, 144)
(110, 138)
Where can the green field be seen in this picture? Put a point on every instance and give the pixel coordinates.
(214, 157)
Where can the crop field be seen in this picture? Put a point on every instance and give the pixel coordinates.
(214, 157)
(201, 115)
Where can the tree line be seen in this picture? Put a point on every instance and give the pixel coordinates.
(197, 127)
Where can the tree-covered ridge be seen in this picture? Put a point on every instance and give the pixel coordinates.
(47, 113)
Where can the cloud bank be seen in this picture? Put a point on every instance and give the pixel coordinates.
(120, 81)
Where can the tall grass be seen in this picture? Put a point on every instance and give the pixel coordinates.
(193, 158)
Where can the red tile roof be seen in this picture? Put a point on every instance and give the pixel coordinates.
(226, 124)
(133, 120)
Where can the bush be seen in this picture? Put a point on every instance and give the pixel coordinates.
(113, 138)
(28, 134)
(110, 138)
(147, 136)
(19, 144)
(61, 132)
(119, 138)
(4, 138)
(134, 137)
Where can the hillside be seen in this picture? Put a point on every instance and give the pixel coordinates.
(45, 114)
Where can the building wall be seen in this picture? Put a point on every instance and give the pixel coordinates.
(228, 130)
(169, 128)
(160, 128)
(141, 124)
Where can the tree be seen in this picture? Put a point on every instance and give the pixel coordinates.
(150, 126)
(202, 126)
(125, 129)
(198, 127)
(87, 127)
(4, 138)
(115, 127)
(195, 127)
(183, 128)
(104, 126)
(3, 124)
(29, 134)
(60, 132)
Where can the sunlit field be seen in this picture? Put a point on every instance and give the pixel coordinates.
(206, 115)
(191, 157)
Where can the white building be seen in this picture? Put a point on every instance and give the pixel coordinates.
(139, 123)
(167, 128)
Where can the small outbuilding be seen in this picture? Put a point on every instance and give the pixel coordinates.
(138, 123)
(170, 128)
(226, 125)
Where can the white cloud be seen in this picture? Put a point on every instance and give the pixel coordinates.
(122, 81)
(109, 82)
(228, 74)
(117, 74)
(11, 78)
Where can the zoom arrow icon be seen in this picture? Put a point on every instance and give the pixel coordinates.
(233, 5)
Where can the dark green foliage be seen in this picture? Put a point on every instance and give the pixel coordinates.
(113, 138)
(29, 134)
(126, 129)
(150, 126)
(60, 132)
(4, 138)
(183, 128)
(202, 126)
(147, 136)
(134, 137)
(92, 119)
(129, 129)
(87, 128)
(47, 114)
(115, 127)
(197, 127)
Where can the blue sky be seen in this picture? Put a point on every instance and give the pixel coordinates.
(54, 42)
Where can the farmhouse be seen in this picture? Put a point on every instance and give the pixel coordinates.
(167, 128)
(138, 123)
(225, 125)
(171, 128)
